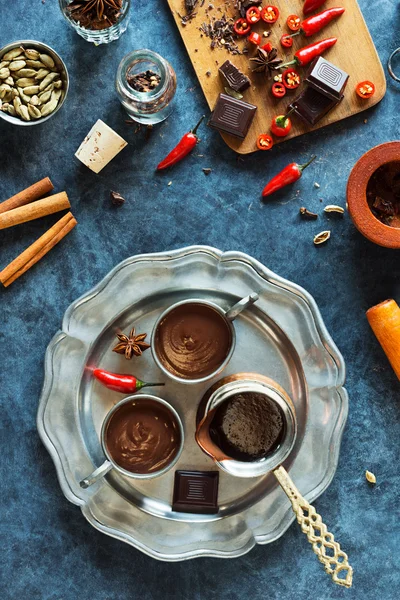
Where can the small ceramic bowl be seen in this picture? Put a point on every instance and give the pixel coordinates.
(363, 218)
(63, 73)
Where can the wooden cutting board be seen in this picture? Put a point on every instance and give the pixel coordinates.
(354, 52)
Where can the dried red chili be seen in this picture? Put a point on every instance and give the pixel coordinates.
(253, 14)
(254, 38)
(291, 79)
(365, 89)
(270, 14)
(278, 90)
(241, 27)
(264, 141)
(288, 175)
(286, 41)
(293, 22)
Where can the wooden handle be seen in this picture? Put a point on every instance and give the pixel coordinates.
(323, 543)
(385, 322)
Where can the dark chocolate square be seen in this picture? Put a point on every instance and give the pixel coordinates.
(196, 492)
(327, 78)
(311, 105)
(232, 116)
(233, 77)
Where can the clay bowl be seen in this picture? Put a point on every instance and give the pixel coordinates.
(360, 212)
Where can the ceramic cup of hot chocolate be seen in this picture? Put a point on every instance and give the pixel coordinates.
(142, 438)
(193, 340)
(247, 424)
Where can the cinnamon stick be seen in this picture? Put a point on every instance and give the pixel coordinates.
(37, 250)
(35, 210)
(33, 192)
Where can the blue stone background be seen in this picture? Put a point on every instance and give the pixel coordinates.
(48, 550)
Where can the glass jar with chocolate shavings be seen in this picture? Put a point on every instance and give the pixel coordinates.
(97, 21)
(146, 85)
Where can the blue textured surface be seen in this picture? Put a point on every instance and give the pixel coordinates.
(49, 551)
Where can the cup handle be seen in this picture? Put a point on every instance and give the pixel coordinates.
(96, 475)
(237, 308)
(323, 543)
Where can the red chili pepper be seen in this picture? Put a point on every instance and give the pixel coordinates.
(270, 14)
(253, 14)
(241, 27)
(311, 5)
(305, 55)
(293, 22)
(281, 125)
(365, 89)
(291, 79)
(125, 384)
(264, 141)
(286, 41)
(182, 149)
(267, 47)
(278, 90)
(317, 22)
(288, 175)
(254, 38)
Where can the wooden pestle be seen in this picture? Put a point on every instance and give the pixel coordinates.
(385, 322)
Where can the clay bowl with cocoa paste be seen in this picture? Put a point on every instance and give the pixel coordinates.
(384, 155)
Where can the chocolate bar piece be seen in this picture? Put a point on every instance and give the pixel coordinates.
(327, 79)
(311, 105)
(196, 492)
(233, 77)
(232, 116)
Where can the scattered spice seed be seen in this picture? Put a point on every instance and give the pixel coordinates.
(169, 182)
(316, 185)
(333, 208)
(206, 171)
(322, 237)
(307, 214)
(117, 199)
(370, 477)
(208, 73)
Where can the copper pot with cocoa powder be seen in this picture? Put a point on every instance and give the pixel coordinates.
(373, 195)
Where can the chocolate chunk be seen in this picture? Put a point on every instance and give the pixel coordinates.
(196, 492)
(326, 84)
(232, 116)
(327, 79)
(311, 105)
(233, 77)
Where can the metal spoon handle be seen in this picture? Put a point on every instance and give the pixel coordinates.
(237, 308)
(329, 553)
(96, 475)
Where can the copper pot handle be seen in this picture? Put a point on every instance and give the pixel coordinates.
(319, 537)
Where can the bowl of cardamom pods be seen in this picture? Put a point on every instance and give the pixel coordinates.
(34, 82)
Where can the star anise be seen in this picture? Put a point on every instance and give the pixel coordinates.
(132, 344)
(266, 62)
(95, 14)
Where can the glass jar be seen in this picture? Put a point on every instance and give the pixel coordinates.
(99, 36)
(155, 105)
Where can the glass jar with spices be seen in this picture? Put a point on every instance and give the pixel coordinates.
(97, 21)
(146, 85)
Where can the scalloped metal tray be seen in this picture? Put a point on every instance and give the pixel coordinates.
(282, 336)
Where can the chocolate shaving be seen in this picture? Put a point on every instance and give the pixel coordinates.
(117, 199)
(221, 33)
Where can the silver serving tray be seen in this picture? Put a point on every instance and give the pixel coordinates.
(282, 336)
